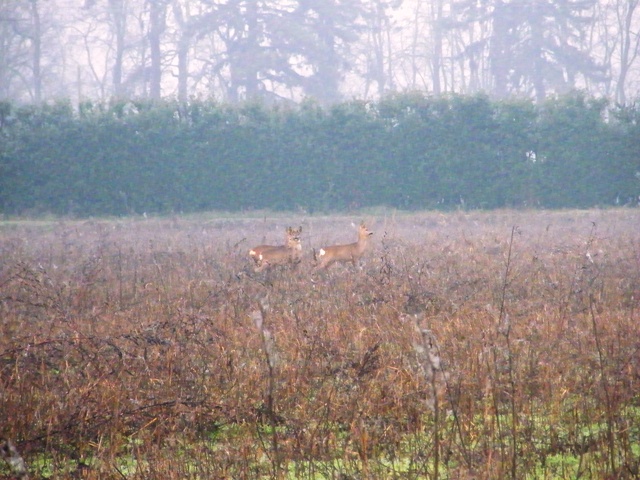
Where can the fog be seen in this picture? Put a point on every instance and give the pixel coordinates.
(329, 51)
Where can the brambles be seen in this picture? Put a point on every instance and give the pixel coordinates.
(150, 349)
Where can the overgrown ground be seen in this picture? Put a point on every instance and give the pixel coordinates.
(466, 346)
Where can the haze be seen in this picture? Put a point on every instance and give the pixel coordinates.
(326, 50)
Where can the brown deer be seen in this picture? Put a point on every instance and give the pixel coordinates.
(255, 252)
(290, 253)
(345, 253)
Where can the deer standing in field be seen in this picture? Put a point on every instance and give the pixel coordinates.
(289, 253)
(345, 253)
(255, 252)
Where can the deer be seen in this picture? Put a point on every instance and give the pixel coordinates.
(345, 253)
(255, 252)
(290, 253)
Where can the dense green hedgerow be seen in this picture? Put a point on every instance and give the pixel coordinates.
(407, 151)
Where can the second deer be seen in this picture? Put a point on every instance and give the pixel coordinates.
(255, 252)
(345, 253)
(290, 253)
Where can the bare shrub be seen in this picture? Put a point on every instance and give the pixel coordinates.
(150, 348)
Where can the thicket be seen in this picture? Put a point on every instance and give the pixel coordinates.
(466, 346)
(407, 151)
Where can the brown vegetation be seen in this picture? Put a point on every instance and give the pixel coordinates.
(469, 345)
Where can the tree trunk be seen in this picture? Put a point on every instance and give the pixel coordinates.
(36, 39)
(436, 54)
(157, 20)
(118, 14)
(628, 52)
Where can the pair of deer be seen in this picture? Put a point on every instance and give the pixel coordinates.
(291, 252)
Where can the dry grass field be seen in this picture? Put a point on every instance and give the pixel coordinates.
(468, 345)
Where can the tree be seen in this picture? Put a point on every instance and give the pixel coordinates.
(28, 54)
(117, 15)
(627, 13)
(130, 38)
(157, 24)
(245, 27)
(377, 47)
(532, 46)
(14, 51)
(437, 41)
(332, 26)
(284, 49)
(36, 51)
(191, 24)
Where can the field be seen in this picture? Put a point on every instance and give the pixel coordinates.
(467, 345)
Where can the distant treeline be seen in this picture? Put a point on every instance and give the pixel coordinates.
(407, 151)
